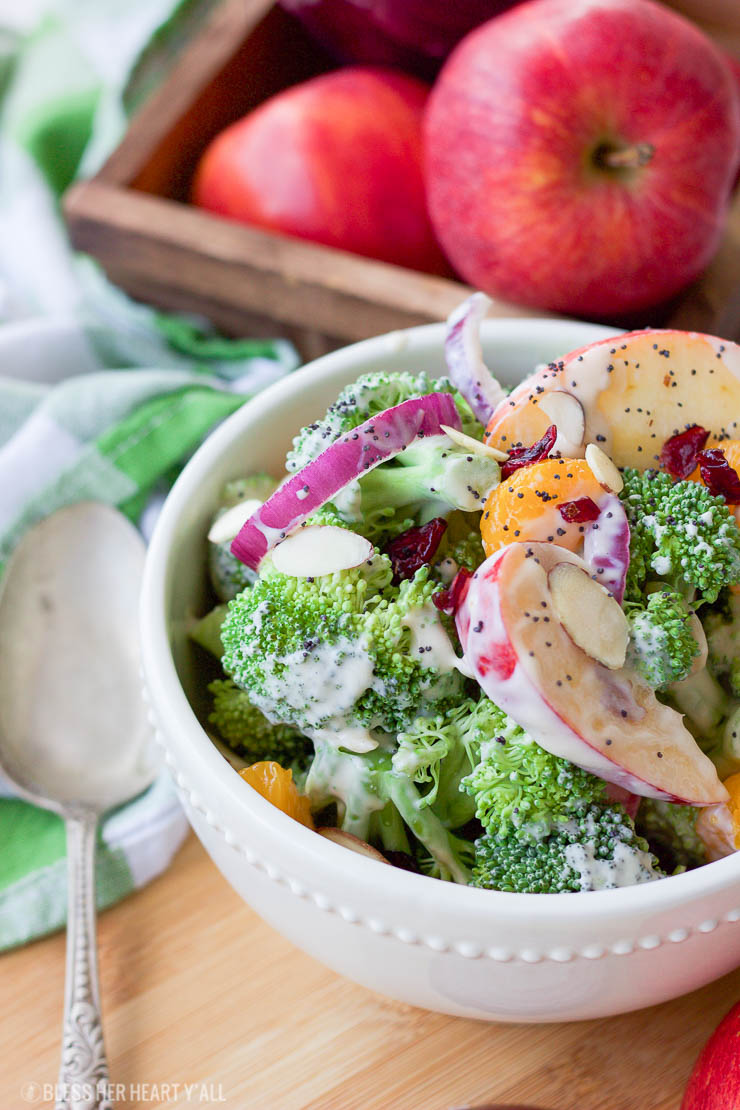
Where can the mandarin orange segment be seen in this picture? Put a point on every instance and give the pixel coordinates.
(719, 826)
(275, 783)
(526, 506)
(732, 785)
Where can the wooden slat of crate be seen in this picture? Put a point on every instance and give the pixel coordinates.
(149, 245)
(133, 219)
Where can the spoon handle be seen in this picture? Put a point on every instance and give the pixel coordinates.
(83, 1075)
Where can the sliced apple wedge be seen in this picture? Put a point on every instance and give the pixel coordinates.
(636, 390)
(526, 660)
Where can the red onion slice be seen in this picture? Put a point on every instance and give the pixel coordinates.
(606, 546)
(350, 457)
(467, 370)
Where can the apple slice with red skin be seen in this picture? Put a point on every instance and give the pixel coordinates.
(636, 390)
(715, 1081)
(606, 721)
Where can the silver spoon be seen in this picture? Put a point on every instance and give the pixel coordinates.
(74, 737)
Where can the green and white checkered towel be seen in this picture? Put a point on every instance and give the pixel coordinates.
(99, 398)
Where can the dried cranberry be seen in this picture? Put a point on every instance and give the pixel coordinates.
(579, 511)
(414, 548)
(680, 453)
(526, 456)
(450, 600)
(718, 476)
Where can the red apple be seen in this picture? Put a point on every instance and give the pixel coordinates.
(633, 392)
(415, 35)
(547, 644)
(337, 160)
(580, 154)
(715, 1080)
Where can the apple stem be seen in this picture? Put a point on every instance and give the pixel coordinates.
(628, 157)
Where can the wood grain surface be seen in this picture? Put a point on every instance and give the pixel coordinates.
(197, 990)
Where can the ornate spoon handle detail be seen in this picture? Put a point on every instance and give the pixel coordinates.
(83, 1075)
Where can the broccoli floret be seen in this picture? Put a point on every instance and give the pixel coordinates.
(379, 526)
(662, 645)
(384, 807)
(339, 652)
(327, 516)
(549, 825)
(722, 628)
(461, 546)
(369, 395)
(437, 753)
(430, 477)
(681, 532)
(597, 849)
(248, 732)
(475, 761)
(670, 830)
(518, 786)
(228, 575)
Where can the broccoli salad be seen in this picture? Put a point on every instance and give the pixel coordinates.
(492, 637)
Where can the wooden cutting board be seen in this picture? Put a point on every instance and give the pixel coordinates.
(197, 990)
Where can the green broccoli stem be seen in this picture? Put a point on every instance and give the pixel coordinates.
(426, 827)
(394, 487)
(727, 756)
(714, 718)
(374, 800)
(430, 470)
(703, 701)
(387, 829)
(335, 776)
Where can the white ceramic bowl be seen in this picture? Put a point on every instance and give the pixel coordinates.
(484, 954)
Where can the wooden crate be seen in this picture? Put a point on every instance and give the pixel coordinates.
(134, 218)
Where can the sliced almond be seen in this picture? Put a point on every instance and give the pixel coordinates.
(320, 549)
(473, 445)
(603, 469)
(589, 614)
(566, 413)
(349, 840)
(229, 524)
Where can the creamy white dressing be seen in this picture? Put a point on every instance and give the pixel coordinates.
(627, 867)
(648, 645)
(447, 569)
(348, 501)
(323, 683)
(661, 564)
(407, 760)
(430, 645)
